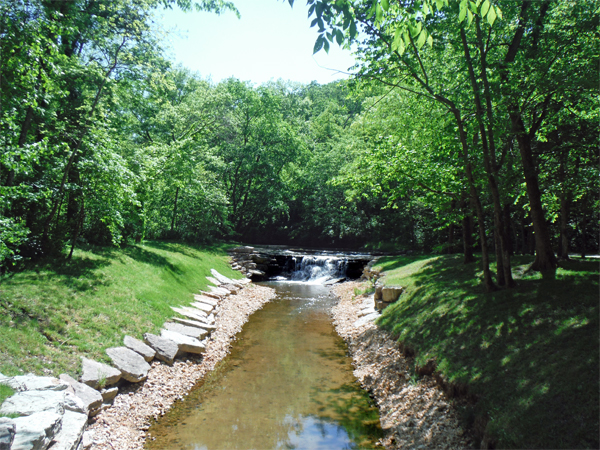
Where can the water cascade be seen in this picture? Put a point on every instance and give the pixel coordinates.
(318, 269)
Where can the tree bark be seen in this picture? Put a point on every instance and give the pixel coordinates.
(174, 211)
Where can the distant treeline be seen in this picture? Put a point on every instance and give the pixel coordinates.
(106, 142)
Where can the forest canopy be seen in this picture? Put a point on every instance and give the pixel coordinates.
(470, 126)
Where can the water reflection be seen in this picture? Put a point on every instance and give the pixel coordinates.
(287, 384)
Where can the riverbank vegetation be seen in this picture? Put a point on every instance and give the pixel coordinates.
(56, 311)
(529, 355)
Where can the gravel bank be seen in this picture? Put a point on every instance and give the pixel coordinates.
(123, 426)
(414, 415)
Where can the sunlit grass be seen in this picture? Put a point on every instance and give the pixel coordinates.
(530, 353)
(56, 311)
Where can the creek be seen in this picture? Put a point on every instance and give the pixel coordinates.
(287, 383)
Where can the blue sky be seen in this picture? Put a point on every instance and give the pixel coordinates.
(270, 41)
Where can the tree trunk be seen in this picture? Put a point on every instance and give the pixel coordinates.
(545, 261)
(78, 227)
(467, 230)
(174, 211)
(565, 207)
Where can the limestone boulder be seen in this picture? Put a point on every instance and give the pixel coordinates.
(390, 294)
(194, 332)
(244, 249)
(109, 394)
(214, 281)
(184, 343)
(26, 403)
(256, 274)
(73, 426)
(32, 382)
(232, 288)
(211, 295)
(166, 350)
(378, 292)
(36, 431)
(8, 429)
(205, 299)
(219, 291)
(194, 323)
(91, 397)
(190, 313)
(96, 374)
(203, 307)
(139, 347)
(132, 365)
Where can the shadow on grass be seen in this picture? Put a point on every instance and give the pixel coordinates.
(530, 353)
(172, 246)
(140, 254)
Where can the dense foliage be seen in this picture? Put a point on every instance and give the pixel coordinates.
(466, 120)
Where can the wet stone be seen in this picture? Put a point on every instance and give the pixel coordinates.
(96, 374)
(133, 366)
(139, 347)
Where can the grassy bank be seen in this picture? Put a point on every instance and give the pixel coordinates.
(56, 310)
(530, 354)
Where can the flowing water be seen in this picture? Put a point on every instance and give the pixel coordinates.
(287, 383)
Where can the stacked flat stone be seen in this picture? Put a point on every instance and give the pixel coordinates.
(54, 411)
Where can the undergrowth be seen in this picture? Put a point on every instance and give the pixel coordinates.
(56, 311)
(530, 354)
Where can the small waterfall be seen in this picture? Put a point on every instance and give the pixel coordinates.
(318, 269)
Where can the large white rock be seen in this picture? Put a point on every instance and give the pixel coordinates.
(166, 350)
(26, 403)
(139, 347)
(132, 365)
(190, 313)
(222, 278)
(389, 294)
(36, 431)
(183, 329)
(195, 323)
(109, 394)
(8, 429)
(244, 249)
(73, 426)
(211, 295)
(205, 299)
(214, 281)
(184, 343)
(96, 374)
(203, 307)
(91, 397)
(219, 291)
(32, 382)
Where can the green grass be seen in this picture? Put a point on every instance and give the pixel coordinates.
(530, 354)
(55, 311)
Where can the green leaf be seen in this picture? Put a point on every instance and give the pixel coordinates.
(499, 12)
(352, 29)
(311, 10)
(439, 4)
(485, 8)
(385, 4)
(491, 17)
(378, 13)
(314, 22)
(339, 36)
(470, 18)
(421, 40)
(318, 44)
(462, 14)
(430, 40)
(326, 46)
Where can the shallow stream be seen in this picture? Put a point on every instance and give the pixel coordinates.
(287, 384)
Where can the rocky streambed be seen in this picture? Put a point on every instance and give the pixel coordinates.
(415, 414)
